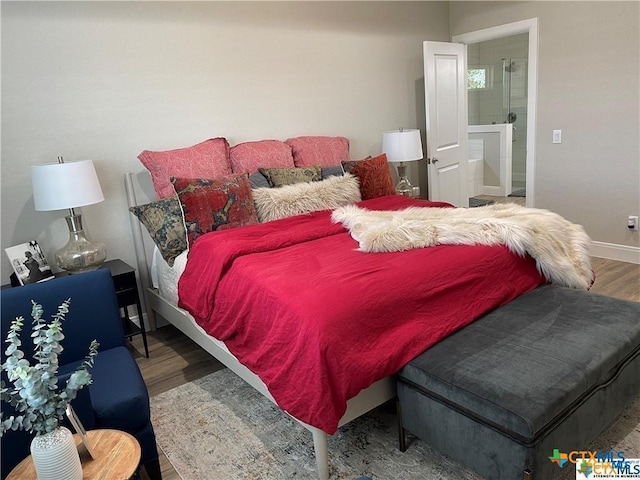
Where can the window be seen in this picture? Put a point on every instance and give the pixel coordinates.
(479, 77)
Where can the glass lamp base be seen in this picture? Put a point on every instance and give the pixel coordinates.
(404, 187)
(80, 254)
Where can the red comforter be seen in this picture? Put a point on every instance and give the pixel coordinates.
(318, 320)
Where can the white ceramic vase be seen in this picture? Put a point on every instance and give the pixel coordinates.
(55, 456)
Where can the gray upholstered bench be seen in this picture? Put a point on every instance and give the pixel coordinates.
(549, 370)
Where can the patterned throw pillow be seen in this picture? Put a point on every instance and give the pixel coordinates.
(221, 203)
(163, 220)
(278, 177)
(318, 150)
(208, 159)
(374, 175)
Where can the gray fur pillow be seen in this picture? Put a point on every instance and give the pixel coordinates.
(299, 198)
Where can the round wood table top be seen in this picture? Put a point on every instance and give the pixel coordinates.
(117, 457)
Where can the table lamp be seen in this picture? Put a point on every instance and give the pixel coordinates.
(59, 186)
(403, 145)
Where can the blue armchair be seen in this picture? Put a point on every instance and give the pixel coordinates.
(118, 396)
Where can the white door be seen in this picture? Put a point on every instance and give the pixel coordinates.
(445, 80)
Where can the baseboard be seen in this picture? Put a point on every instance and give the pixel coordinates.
(136, 320)
(612, 251)
(160, 322)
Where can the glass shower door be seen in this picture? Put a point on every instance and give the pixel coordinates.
(514, 109)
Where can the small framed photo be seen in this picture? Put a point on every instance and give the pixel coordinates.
(29, 263)
(77, 425)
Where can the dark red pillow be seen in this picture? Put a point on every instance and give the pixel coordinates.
(215, 204)
(374, 176)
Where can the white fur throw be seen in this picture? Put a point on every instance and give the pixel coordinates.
(299, 198)
(559, 247)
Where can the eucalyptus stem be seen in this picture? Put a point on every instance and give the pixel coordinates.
(35, 396)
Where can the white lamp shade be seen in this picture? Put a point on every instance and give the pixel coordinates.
(402, 145)
(58, 186)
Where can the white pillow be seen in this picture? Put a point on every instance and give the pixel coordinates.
(299, 198)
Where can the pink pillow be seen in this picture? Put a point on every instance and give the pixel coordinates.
(209, 159)
(323, 151)
(249, 156)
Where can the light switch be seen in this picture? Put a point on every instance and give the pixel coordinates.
(557, 136)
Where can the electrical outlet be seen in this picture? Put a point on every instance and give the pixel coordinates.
(632, 222)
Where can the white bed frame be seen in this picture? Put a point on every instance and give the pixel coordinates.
(140, 191)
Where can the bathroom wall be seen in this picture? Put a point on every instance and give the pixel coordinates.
(491, 143)
(506, 92)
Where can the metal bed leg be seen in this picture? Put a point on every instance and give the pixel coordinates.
(321, 451)
(402, 439)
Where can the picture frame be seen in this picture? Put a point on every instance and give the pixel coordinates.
(29, 263)
(77, 426)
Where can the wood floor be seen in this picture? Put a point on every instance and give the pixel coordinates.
(174, 359)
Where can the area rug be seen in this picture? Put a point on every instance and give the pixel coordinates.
(519, 193)
(219, 428)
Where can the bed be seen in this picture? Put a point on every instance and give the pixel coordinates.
(140, 191)
(352, 326)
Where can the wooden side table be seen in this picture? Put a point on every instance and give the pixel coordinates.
(117, 457)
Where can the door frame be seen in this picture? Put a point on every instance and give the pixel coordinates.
(529, 26)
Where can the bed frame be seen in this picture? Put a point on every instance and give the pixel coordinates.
(140, 191)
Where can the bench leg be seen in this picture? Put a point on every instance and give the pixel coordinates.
(402, 440)
(527, 475)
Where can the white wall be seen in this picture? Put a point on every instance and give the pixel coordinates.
(106, 80)
(588, 86)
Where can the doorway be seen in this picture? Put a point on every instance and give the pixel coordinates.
(505, 58)
(497, 94)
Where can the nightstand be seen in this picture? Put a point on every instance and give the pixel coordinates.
(124, 279)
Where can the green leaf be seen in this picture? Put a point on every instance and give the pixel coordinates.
(34, 392)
